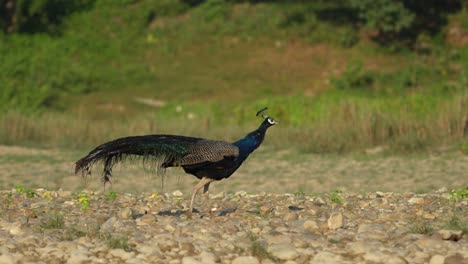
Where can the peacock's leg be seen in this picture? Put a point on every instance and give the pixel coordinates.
(206, 196)
(205, 189)
(202, 183)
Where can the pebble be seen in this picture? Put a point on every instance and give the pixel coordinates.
(335, 221)
(326, 257)
(283, 251)
(416, 200)
(245, 260)
(125, 213)
(190, 260)
(368, 228)
(311, 226)
(177, 193)
(122, 254)
(319, 201)
(292, 216)
(437, 259)
(454, 235)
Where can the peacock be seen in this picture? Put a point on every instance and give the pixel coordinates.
(208, 160)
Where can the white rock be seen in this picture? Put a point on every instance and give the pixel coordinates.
(190, 260)
(245, 260)
(177, 193)
(325, 257)
(437, 259)
(283, 251)
(335, 221)
(15, 229)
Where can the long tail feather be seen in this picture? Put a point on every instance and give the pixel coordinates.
(163, 149)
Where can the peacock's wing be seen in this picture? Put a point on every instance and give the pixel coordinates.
(208, 151)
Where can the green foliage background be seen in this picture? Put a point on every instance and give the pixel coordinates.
(62, 58)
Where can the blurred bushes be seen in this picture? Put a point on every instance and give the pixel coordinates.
(26, 16)
(404, 20)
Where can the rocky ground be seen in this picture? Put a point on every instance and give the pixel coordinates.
(40, 226)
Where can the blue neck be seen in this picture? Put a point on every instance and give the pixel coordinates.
(252, 140)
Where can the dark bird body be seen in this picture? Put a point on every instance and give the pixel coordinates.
(208, 160)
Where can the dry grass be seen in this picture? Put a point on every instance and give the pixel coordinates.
(312, 125)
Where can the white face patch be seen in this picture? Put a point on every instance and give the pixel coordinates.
(272, 121)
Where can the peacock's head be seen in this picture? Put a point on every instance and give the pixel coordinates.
(269, 121)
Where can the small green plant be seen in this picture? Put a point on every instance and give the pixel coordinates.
(47, 196)
(456, 223)
(53, 221)
(300, 192)
(335, 197)
(28, 192)
(116, 241)
(423, 228)
(9, 199)
(458, 195)
(83, 200)
(71, 234)
(111, 196)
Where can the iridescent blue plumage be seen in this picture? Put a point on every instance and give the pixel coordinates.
(208, 160)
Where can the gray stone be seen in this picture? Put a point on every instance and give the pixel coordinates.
(283, 251)
(335, 221)
(111, 224)
(245, 260)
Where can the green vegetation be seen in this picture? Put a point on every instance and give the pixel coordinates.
(83, 201)
(53, 221)
(421, 227)
(336, 197)
(27, 192)
(457, 223)
(111, 196)
(76, 73)
(458, 195)
(116, 241)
